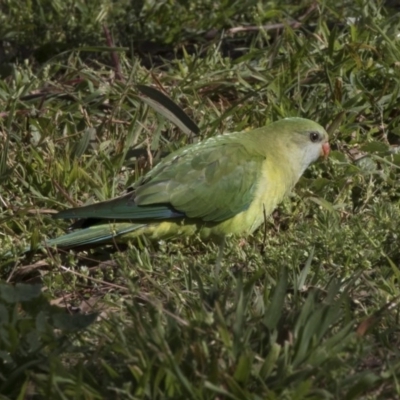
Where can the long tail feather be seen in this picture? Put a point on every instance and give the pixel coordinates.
(95, 234)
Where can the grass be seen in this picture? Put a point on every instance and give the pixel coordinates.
(312, 313)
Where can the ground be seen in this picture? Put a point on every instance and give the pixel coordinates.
(306, 308)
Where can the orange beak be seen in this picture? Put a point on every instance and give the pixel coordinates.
(325, 150)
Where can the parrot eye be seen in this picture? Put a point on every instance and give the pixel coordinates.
(314, 137)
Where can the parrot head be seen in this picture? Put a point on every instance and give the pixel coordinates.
(307, 141)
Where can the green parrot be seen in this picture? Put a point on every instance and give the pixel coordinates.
(222, 186)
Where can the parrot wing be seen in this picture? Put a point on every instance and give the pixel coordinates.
(212, 181)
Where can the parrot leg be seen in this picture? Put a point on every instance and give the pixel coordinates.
(221, 248)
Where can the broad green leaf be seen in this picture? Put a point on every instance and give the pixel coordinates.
(75, 322)
(275, 309)
(20, 292)
(80, 147)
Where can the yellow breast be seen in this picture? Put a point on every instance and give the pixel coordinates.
(272, 188)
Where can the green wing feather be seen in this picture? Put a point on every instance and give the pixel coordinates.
(212, 181)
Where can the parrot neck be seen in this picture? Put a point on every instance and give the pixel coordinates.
(300, 160)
